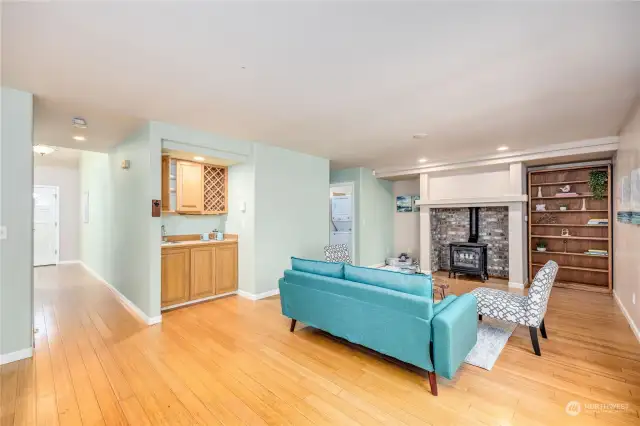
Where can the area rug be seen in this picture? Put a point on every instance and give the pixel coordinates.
(492, 336)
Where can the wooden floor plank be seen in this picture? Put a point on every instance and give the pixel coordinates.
(233, 361)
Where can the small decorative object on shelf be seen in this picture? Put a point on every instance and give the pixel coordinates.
(564, 207)
(541, 207)
(584, 205)
(565, 245)
(541, 246)
(565, 232)
(547, 218)
(539, 192)
(598, 183)
(565, 188)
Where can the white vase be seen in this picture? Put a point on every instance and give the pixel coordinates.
(584, 204)
(539, 192)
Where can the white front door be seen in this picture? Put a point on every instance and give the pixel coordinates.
(45, 225)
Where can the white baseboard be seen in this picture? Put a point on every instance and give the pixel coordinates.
(634, 328)
(258, 296)
(66, 262)
(516, 285)
(16, 356)
(124, 300)
(204, 299)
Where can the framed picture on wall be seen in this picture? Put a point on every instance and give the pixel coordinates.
(403, 204)
(414, 200)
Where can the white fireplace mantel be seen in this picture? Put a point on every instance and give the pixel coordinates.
(474, 202)
(488, 187)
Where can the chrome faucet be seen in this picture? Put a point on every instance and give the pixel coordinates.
(164, 233)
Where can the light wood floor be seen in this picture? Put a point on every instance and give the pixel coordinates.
(233, 361)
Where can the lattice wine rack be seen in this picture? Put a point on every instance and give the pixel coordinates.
(215, 189)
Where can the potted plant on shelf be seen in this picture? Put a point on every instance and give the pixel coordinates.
(541, 246)
(598, 184)
(564, 207)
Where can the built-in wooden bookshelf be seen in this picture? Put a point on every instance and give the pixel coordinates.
(577, 269)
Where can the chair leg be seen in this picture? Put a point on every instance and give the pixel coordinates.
(533, 331)
(543, 330)
(433, 383)
(293, 325)
(479, 317)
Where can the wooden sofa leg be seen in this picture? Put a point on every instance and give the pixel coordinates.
(433, 383)
(479, 317)
(543, 330)
(293, 325)
(533, 331)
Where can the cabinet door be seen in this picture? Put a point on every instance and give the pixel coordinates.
(226, 269)
(175, 276)
(189, 187)
(203, 277)
(166, 194)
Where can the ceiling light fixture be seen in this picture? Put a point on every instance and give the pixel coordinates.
(43, 149)
(79, 138)
(420, 135)
(79, 122)
(422, 160)
(503, 148)
(198, 158)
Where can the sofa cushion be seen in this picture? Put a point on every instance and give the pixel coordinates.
(416, 284)
(318, 267)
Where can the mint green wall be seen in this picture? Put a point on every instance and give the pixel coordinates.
(95, 236)
(374, 207)
(136, 243)
(16, 213)
(121, 242)
(292, 208)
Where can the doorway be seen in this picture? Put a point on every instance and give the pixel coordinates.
(46, 235)
(342, 220)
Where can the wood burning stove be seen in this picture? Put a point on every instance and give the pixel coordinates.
(469, 257)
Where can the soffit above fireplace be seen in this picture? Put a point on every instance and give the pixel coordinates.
(504, 200)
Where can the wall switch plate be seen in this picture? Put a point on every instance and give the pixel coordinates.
(243, 206)
(3, 232)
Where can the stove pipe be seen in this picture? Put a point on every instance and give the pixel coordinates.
(473, 224)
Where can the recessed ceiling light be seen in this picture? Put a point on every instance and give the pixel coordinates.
(79, 138)
(503, 148)
(43, 149)
(79, 122)
(420, 135)
(422, 160)
(198, 158)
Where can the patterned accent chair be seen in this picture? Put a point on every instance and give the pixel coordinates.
(524, 310)
(337, 253)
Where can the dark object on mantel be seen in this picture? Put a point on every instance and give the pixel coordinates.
(470, 257)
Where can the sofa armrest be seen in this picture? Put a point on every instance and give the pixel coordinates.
(455, 330)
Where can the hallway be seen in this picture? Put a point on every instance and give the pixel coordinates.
(233, 361)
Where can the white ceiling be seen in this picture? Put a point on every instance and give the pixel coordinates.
(61, 157)
(105, 128)
(350, 81)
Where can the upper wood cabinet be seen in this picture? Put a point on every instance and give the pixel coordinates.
(189, 190)
(175, 276)
(199, 188)
(166, 189)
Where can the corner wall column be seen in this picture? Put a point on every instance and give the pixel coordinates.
(425, 226)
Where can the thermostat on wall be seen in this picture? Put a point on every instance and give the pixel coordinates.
(125, 164)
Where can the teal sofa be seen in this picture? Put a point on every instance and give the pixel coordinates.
(390, 312)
